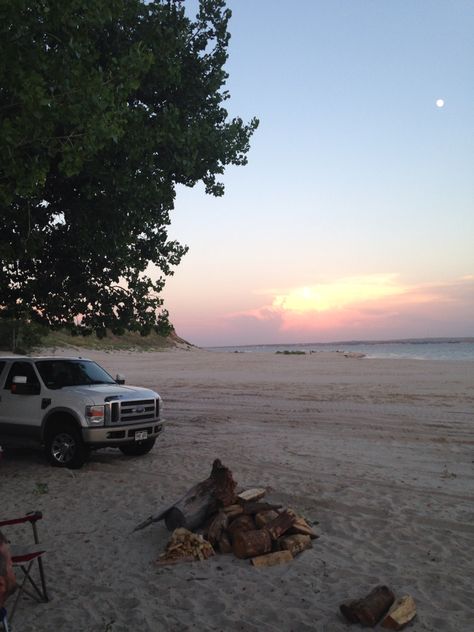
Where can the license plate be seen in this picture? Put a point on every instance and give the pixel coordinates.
(140, 435)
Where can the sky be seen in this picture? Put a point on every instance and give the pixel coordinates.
(354, 217)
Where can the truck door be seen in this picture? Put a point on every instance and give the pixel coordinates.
(21, 413)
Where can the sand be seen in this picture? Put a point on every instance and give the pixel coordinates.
(379, 452)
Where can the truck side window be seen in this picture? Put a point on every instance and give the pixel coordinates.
(21, 368)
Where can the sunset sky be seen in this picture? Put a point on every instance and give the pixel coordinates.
(354, 218)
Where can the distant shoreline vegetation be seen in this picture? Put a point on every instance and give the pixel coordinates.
(408, 348)
(287, 352)
(401, 341)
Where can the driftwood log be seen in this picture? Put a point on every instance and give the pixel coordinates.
(371, 608)
(202, 500)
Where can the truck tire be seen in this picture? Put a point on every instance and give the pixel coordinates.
(138, 449)
(64, 446)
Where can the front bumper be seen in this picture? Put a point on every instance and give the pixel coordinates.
(107, 436)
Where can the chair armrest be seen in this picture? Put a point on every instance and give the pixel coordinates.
(32, 517)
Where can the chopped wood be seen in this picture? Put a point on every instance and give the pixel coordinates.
(279, 525)
(301, 526)
(295, 543)
(211, 514)
(233, 510)
(183, 545)
(252, 494)
(251, 543)
(371, 608)
(402, 612)
(272, 559)
(254, 507)
(264, 517)
(241, 523)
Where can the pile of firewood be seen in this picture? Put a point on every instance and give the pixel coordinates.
(213, 517)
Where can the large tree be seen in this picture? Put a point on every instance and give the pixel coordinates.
(105, 106)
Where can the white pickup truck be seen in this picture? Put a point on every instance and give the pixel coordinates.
(72, 405)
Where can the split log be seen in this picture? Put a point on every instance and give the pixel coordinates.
(400, 614)
(371, 608)
(301, 526)
(295, 543)
(255, 507)
(279, 525)
(233, 510)
(251, 543)
(264, 517)
(199, 502)
(252, 494)
(241, 523)
(272, 559)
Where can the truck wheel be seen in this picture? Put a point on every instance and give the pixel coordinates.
(65, 447)
(138, 449)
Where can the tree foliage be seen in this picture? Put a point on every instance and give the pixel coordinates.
(21, 336)
(105, 106)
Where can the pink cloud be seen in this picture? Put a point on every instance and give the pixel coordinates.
(386, 308)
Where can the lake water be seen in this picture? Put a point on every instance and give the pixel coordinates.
(431, 349)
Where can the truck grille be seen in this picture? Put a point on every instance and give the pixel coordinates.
(136, 410)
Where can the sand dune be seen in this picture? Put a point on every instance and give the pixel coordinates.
(379, 452)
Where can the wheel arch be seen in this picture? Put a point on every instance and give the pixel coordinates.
(59, 415)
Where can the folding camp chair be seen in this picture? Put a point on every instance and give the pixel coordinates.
(24, 558)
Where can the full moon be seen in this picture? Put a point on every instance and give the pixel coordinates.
(439, 103)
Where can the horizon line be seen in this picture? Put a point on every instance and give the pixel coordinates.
(428, 340)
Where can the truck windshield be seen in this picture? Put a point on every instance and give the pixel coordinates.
(60, 373)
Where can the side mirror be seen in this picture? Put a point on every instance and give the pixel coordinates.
(120, 379)
(20, 386)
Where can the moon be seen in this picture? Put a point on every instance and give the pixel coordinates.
(440, 103)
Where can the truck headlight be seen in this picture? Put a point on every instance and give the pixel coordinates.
(95, 415)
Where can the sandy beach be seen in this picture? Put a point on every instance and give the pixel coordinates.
(379, 452)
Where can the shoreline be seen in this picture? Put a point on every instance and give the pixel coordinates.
(435, 349)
